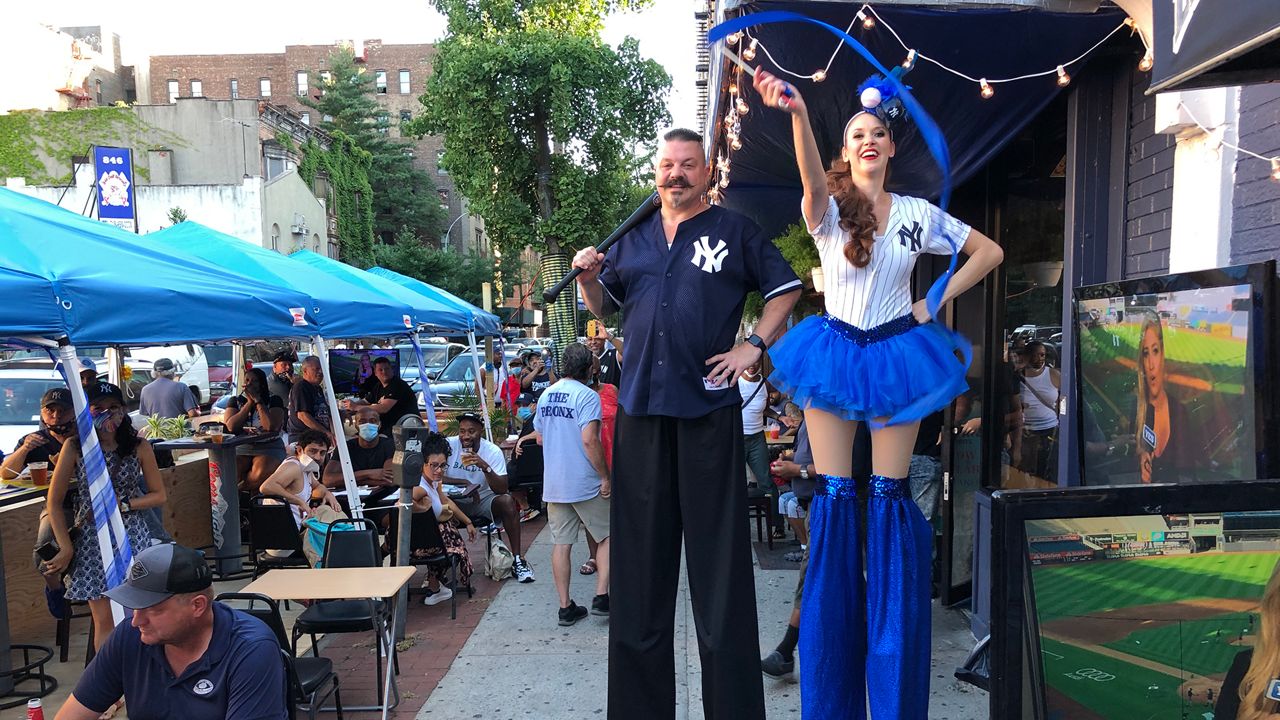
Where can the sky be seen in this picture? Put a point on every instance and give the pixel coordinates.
(150, 27)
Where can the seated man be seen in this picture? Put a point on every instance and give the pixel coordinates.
(390, 396)
(297, 480)
(479, 468)
(57, 426)
(182, 654)
(371, 455)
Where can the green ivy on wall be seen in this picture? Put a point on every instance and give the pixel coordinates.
(347, 166)
(39, 145)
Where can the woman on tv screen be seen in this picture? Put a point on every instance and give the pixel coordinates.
(1162, 421)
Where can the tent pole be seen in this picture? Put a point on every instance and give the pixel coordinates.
(113, 541)
(237, 372)
(484, 400)
(339, 436)
(427, 398)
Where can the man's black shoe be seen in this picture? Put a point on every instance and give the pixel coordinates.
(572, 614)
(774, 665)
(600, 604)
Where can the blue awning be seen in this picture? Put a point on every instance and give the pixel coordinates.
(341, 309)
(67, 275)
(484, 323)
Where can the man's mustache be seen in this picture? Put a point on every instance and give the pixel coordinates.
(677, 183)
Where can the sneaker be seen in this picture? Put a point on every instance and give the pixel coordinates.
(489, 529)
(56, 600)
(774, 665)
(794, 556)
(600, 604)
(572, 614)
(528, 514)
(523, 572)
(437, 597)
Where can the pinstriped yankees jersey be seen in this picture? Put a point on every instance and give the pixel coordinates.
(873, 295)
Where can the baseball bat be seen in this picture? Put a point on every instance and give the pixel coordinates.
(641, 214)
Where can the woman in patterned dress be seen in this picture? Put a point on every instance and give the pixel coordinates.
(131, 465)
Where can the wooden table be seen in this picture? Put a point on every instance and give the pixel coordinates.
(342, 584)
(779, 441)
(224, 495)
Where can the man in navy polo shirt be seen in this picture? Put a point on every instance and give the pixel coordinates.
(681, 279)
(182, 655)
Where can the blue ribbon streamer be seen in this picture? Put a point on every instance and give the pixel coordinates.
(929, 131)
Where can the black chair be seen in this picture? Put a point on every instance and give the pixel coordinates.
(273, 527)
(62, 634)
(354, 547)
(309, 678)
(424, 534)
(760, 507)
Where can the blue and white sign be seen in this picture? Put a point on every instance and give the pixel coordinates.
(113, 177)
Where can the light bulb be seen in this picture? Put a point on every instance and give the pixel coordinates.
(868, 22)
(987, 92)
(910, 62)
(1146, 62)
(750, 52)
(1275, 169)
(724, 179)
(1063, 78)
(733, 87)
(818, 75)
(735, 143)
(725, 163)
(734, 38)
(1129, 22)
(742, 107)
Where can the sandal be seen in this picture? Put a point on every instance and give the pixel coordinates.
(588, 568)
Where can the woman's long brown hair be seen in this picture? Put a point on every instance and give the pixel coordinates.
(857, 214)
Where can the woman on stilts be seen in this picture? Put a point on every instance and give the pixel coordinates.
(877, 357)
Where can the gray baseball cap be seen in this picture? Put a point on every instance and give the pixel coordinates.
(160, 572)
(163, 366)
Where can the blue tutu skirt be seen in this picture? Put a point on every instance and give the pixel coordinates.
(900, 370)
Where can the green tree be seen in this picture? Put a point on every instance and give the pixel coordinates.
(403, 196)
(797, 248)
(540, 120)
(460, 274)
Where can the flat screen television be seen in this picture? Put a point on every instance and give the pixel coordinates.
(1172, 377)
(348, 369)
(1125, 602)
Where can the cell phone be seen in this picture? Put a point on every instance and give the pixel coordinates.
(593, 328)
(48, 551)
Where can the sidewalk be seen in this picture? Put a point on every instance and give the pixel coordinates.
(518, 663)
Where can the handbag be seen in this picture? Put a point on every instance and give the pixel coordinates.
(498, 566)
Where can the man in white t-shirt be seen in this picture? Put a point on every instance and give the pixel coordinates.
(477, 473)
(575, 477)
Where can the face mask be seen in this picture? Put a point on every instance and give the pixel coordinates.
(62, 429)
(308, 463)
(524, 413)
(106, 422)
(368, 431)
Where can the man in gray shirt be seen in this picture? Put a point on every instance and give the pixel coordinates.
(165, 396)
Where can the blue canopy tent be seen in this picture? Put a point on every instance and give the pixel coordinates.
(482, 322)
(70, 279)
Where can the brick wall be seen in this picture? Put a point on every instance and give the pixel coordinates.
(1255, 216)
(216, 71)
(1149, 192)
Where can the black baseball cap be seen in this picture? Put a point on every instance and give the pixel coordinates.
(105, 389)
(526, 398)
(56, 396)
(160, 572)
(286, 356)
(474, 417)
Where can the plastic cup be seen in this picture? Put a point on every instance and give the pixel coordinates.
(215, 436)
(39, 473)
(773, 433)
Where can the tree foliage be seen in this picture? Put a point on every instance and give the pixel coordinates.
(540, 118)
(797, 248)
(403, 196)
(460, 274)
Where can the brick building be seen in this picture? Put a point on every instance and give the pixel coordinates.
(400, 73)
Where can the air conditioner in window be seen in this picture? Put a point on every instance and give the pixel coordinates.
(298, 229)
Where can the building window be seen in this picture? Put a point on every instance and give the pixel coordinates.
(302, 82)
(404, 82)
(405, 116)
(235, 89)
(197, 88)
(306, 118)
(444, 198)
(275, 236)
(173, 91)
(97, 92)
(264, 87)
(384, 122)
(380, 81)
(440, 163)
(328, 118)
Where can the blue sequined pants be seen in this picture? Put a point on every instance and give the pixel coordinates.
(865, 639)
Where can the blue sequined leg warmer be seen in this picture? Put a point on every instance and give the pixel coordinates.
(899, 542)
(832, 649)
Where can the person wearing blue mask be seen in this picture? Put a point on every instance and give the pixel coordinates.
(525, 470)
(371, 454)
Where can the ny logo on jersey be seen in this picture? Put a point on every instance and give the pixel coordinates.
(911, 236)
(709, 258)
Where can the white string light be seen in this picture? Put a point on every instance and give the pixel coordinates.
(1275, 161)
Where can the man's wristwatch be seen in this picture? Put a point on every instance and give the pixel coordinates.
(804, 472)
(758, 342)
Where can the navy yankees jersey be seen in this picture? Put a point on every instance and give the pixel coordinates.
(873, 295)
(683, 304)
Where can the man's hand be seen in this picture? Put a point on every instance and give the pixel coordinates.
(33, 441)
(606, 488)
(971, 426)
(733, 363)
(388, 476)
(589, 260)
(785, 469)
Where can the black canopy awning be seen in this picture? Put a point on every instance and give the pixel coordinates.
(1212, 43)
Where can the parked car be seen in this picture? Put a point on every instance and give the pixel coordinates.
(435, 356)
(20, 392)
(455, 383)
